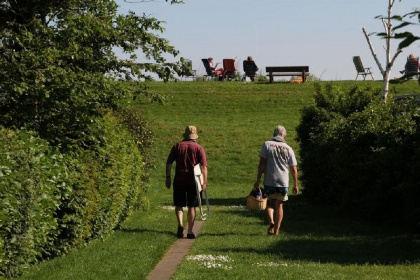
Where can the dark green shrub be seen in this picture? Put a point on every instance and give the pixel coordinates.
(358, 153)
(51, 203)
(109, 183)
(139, 129)
(120, 171)
(31, 175)
(319, 140)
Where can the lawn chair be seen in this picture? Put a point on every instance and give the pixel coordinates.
(250, 69)
(229, 66)
(187, 70)
(201, 194)
(360, 69)
(210, 73)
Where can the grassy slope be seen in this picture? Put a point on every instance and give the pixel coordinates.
(233, 119)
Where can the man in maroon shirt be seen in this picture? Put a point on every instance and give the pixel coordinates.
(186, 154)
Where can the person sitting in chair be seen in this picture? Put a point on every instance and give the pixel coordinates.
(250, 69)
(217, 72)
(412, 65)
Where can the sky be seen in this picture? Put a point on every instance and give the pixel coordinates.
(323, 34)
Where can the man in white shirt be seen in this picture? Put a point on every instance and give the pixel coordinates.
(276, 158)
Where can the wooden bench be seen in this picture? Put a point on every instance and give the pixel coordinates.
(302, 71)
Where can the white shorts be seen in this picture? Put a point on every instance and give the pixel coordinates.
(278, 196)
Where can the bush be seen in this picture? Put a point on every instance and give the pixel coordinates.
(358, 154)
(109, 184)
(31, 175)
(140, 131)
(51, 203)
(319, 142)
(119, 183)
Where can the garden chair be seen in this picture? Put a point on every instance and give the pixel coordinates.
(360, 69)
(229, 66)
(209, 72)
(187, 70)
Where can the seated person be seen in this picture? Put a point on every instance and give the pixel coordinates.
(250, 69)
(217, 72)
(412, 65)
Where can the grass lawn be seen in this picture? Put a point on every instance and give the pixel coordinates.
(233, 120)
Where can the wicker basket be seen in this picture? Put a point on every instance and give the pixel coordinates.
(255, 204)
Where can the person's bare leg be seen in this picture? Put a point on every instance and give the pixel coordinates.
(270, 216)
(179, 215)
(191, 219)
(278, 216)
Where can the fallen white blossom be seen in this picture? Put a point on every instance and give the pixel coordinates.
(271, 264)
(236, 206)
(210, 261)
(168, 207)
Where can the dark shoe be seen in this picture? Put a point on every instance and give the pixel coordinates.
(270, 230)
(180, 232)
(191, 236)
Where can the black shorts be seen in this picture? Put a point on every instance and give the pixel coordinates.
(185, 195)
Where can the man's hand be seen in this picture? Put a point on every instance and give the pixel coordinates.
(295, 190)
(256, 184)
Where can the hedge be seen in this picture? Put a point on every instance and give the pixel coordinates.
(30, 177)
(53, 202)
(361, 155)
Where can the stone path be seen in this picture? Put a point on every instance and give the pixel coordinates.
(167, 266)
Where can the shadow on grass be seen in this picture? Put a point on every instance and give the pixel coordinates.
(350, 250)
(357, 250)
(227, 201)
(145, 230)
(319, 234)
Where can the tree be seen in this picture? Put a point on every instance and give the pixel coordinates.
(60, 77)
(389, 34)
(59, 66)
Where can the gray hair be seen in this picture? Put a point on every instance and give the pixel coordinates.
(279, 131)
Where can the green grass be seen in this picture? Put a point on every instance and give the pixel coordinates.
(233, 120)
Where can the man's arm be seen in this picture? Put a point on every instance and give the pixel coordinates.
(261, 167)
(295, 179)
(168, 175)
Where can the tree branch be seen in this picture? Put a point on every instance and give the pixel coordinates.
(373, 52)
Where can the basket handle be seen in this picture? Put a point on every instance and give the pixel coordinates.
(256, 188)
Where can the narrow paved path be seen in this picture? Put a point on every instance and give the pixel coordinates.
(167, 266)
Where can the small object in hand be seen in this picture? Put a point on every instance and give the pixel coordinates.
(258, 194)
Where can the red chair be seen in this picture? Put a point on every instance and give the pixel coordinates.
(229, 66)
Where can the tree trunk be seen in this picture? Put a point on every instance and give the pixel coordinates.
(385, 83)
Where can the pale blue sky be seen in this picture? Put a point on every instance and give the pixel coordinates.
(323, 34)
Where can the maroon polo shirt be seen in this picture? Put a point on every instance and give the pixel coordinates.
(186, 154)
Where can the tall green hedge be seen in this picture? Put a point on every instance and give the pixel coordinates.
(361, 155)
(31, 174)
(52, 202)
